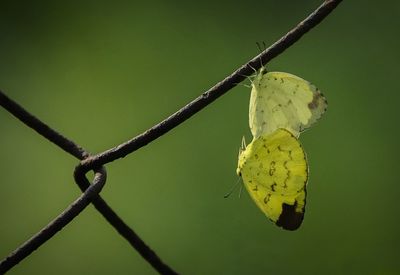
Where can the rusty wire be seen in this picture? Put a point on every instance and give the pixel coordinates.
(88, 162)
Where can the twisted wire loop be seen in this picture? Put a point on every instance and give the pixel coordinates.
(88, 162)
(57, 224)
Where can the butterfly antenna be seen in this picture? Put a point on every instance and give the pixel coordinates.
(259, 46)
(240, 190)
(232, 189)
(243, 147)
(261, 49)
(243, 144)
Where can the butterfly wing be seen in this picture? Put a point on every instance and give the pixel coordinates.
(282, 100)
(274, 170)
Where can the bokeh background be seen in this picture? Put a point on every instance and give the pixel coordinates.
(102, 72)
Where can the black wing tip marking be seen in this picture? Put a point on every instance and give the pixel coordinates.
(318, 96)
(289, 218)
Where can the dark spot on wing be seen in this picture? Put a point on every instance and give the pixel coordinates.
(272, 168)
(285, 164)
(296, 89)
(315, 102)
(289, 218)
(266, 199)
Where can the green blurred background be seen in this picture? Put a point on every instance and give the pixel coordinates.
(102, 72)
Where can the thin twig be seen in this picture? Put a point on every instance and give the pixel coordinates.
(212, 94)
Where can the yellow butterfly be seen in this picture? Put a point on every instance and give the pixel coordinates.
(282, 100)
(275, 172)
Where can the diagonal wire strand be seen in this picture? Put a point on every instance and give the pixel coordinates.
(41, 128)
(123, 229)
